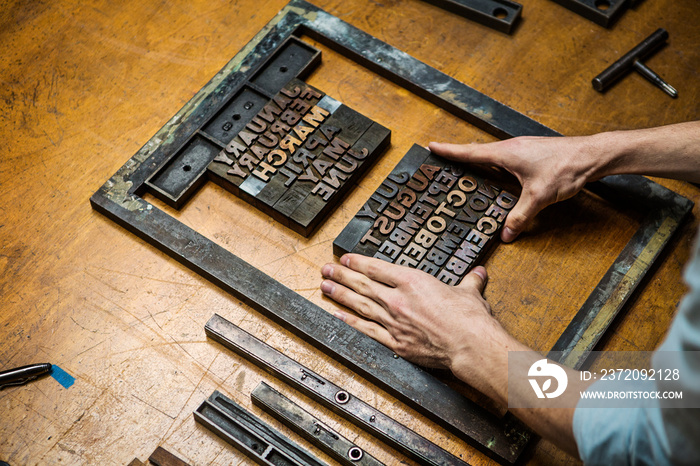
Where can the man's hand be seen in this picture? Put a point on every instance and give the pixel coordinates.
(548, 169)
(551, 169)
(425, 321)
(433, 324)
(417, 316)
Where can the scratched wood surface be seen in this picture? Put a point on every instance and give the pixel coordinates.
(85, 85)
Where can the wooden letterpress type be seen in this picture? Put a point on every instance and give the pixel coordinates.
(371, 238)
(412, 255)
(233, 166)
(283, 177)
(429, 202)
(352, 124)
(307, 95)
(354, 163)
(293, 180)
(282, 181)
(257, 125)
(268, 140)
(388, 251)
(313, 167)
(375, 139)
(362, 235)
(315, 163)
(437, 217)
(310, 163)
(348, 164)
(218, 173)
(435, 161)
(377, 225)
(235, 162)
(474, 229)
(416, 216)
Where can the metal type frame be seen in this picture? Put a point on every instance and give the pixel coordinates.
(120, 200)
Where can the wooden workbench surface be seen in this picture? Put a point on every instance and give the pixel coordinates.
(85, 84)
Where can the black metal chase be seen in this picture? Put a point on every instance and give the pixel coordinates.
(601, 12)
(120, 199)
(500, 15)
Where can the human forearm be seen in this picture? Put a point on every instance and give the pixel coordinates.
(397, 306)
(488, 371)
(668, 151)
(486, 367)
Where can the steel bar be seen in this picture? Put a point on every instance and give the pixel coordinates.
(500, 15)
(328, 394)
(425, 81)
(602, 12)
(311, 428)
(246, 432)
(667, 211)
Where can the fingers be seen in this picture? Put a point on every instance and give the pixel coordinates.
(360, 282)
(520, 217)
(359, 303)
(474, 153)
(365, 307)
(374, 269)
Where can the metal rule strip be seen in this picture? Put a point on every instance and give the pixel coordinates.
(311, 428)
(328, 394)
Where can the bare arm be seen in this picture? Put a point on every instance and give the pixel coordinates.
(402, 308)
(405, 310)
(554, 169)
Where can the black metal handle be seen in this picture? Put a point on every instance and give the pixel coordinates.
(626, 63)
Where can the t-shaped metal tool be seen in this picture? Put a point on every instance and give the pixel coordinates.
(632, 59)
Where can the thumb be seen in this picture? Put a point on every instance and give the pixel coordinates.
(477, 278)
(520, 217)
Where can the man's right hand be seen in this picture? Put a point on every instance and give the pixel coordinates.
(550, 169)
